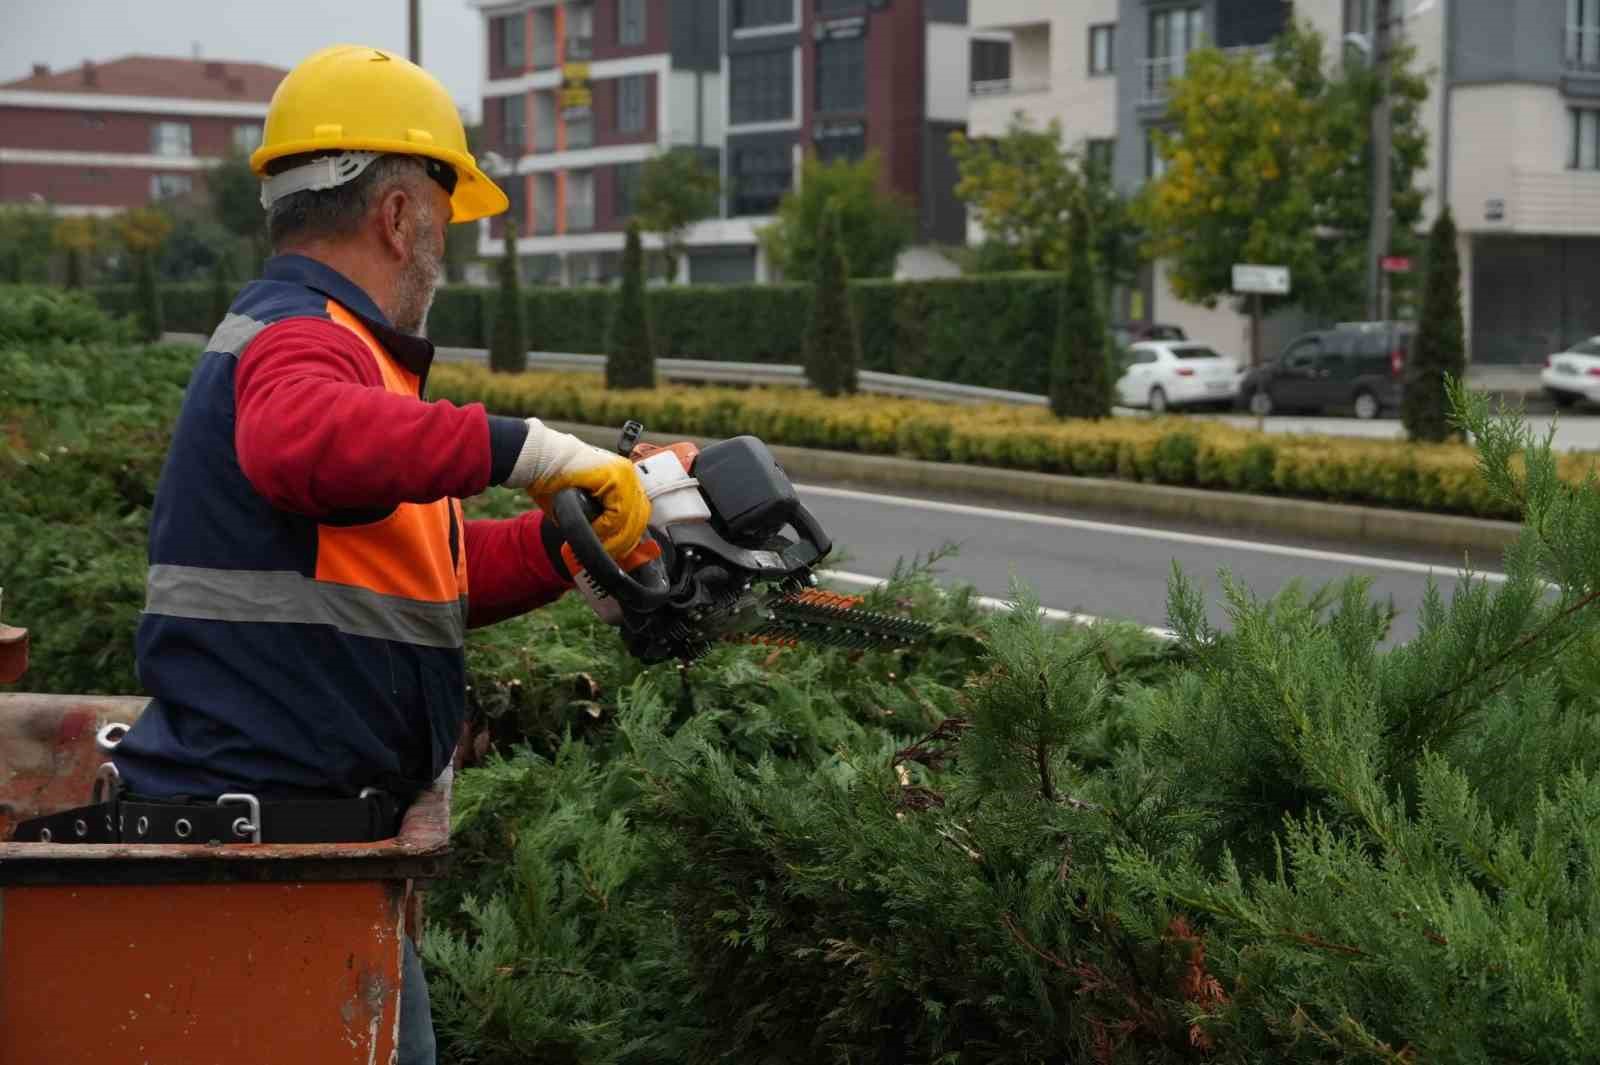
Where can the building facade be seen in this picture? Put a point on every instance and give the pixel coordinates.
(581, 93)
(104, 137)
(1512, 119)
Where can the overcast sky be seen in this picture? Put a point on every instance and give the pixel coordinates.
(63, 33)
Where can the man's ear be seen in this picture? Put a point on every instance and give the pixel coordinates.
(393, 231)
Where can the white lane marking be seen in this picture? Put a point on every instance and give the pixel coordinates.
(1142, 533)
(989, 603)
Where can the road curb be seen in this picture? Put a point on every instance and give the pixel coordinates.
(1234, 511)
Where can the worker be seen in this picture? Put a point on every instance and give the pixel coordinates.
(311, 575)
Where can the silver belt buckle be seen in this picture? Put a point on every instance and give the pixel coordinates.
(242, 826)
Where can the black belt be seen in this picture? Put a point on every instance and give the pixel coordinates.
(234, 818)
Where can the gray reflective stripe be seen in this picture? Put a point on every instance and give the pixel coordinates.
(278, 596)
(234, 332)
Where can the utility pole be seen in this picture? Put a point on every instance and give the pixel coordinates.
(414, 31)
(1382, 150)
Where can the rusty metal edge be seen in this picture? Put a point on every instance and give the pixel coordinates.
(52, 871)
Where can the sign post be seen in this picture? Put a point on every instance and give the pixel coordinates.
(1257, 281)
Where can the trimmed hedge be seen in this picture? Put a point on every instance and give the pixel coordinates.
(993, 330)
(1442, 478)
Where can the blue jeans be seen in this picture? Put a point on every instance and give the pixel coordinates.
(416, 1018)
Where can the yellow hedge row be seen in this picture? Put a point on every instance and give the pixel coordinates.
(1434, 477)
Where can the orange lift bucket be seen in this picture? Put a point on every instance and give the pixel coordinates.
(237, 953)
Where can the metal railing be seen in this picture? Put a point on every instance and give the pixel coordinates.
(1583, 48)
(715, 371)
(1008, 87)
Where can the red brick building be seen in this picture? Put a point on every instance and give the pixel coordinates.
(103, 137)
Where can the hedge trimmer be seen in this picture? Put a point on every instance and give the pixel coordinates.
(717, 564)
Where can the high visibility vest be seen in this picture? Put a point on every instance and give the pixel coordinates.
(289, 656)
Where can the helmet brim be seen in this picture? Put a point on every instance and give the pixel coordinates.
(476, 195)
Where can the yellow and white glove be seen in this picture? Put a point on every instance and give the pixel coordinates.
(551, 461)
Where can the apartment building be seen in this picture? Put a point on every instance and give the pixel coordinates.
(107, 136)
(580, 93)
(1513, 124)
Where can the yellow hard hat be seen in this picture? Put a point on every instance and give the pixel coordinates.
(359, 99)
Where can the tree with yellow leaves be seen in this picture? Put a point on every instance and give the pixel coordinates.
(1270, 161)
(143, 230)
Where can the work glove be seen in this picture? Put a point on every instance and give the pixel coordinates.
(551, 461)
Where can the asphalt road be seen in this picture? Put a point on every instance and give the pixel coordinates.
(1103, 566)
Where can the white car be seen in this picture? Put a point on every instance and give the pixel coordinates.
(1162, 374)
(1574, 374)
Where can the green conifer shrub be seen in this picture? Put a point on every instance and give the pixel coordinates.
(221, 292)
(1080, 362)
(630, 347)
(508, 344)
(148, 317)
(1439, 350)
(833, 341)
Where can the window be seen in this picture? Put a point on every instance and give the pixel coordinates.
(1583, 34)
(247, 138)
(580, 31)
(516, 191)
(839, 7)
(628, 177)
(761, 87)
(842, 74)
(991, 62)
(544, 121)
(631, 97)
(513, 123)
(755, 14)
(1358, 15)
(1583, 151)
(166, 186)
(580, 129)
(170, 139)
(1176, 32)
(760, 178)
(1102, 49)
(845, 140)
(1099, 154)
(1154, 164)
(513, 41)
(630, 22)
(580, 199)
(544, 37)
(544, 204)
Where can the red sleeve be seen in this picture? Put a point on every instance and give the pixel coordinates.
(509, 571)
(317, 433)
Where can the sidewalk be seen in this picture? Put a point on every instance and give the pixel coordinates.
(1513, 384)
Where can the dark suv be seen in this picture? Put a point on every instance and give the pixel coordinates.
(1355, 365)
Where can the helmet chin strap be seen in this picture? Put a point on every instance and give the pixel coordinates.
(328, 172)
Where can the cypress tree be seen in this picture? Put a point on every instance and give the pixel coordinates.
(1440, 347)
(1080, 366)
(221, 291)
(833, 342)
(75, 270)
(630, 347)
(149, 318)
(508, 347)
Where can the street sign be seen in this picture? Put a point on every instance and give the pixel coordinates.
(1266, 280)
(1396, 264)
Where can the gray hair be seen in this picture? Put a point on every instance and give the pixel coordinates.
(335, 212)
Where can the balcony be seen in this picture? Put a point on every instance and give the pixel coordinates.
(1158, 74)
(1581, 63)
(1009, 87)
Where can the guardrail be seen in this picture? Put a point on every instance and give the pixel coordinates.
(713, 371)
